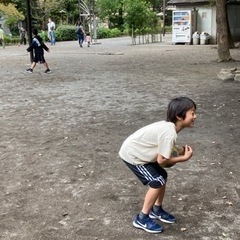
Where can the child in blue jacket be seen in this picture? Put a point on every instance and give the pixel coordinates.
(38, 46)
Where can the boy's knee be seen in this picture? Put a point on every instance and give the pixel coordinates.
(158, 182)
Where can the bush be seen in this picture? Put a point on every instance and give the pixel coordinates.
(168, 29)
(11, 40)
(62, 33)
(115, 32)
(108, 33)
(65, 33)
(44, 35)
(103, 33)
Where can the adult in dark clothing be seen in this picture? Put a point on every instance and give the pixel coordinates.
(23, 36)
(80, 34)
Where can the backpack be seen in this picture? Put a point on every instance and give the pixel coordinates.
(79, 30)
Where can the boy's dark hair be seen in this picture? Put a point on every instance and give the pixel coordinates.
(178, 107)
(35, 31)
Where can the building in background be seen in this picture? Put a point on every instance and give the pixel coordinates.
(4, 27)
(204, 16)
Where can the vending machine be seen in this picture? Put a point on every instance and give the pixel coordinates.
(182, 26)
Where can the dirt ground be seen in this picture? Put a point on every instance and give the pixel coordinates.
(60, 175)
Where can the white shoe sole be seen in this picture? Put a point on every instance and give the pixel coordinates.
(145, 229)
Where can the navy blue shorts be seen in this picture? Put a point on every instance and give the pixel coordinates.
(151, 174)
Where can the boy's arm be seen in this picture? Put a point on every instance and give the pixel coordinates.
(30, 48)
(45, 47)
(184, 156)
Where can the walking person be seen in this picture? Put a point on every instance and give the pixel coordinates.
(2, 42)
(80, 34)
(149, 150)
(88, 39)
(51, 31)
(23, 34)
(38, 46)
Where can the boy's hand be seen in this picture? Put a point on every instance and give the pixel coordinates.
(188, 152)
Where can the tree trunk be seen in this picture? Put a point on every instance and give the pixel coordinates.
(222, 31)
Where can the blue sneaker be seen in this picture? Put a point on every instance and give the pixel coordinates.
(147, 225)
(163, 216)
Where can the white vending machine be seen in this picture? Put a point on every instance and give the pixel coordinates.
(182, 26)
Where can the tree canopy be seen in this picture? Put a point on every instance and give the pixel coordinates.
(13, 15)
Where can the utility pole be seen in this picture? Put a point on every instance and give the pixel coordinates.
(29, 26)
(89, 11)
(164, 13)
(94, 22)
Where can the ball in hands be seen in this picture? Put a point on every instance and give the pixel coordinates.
(174, 153)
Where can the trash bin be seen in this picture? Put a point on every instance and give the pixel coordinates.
(196, 39)
(204, 38)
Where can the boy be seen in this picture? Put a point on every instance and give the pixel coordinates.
(147, 151)
(38, 46)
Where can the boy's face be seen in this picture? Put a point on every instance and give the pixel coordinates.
(190, 118)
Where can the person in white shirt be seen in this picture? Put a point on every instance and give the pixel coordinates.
(51, 31)
(149, 150)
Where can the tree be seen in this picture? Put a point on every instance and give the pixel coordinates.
(71, 8)
(222, 31)
(155, 4)
(139, 16)
(112, 11)
(13, 15)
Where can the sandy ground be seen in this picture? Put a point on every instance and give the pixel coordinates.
(60, 175)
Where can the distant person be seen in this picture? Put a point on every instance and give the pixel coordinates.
(80, 34)
(149, 150)
(2, 42)
(88, 39)
(38, 46)
(51, 31)
(23, 34)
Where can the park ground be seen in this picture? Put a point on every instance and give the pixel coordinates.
(60, 175)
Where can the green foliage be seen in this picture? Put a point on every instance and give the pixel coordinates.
(111, 11)
(212, 2)
(168, 29)
(44, 35)
(108, 33)
(11, 13)
(62, 33)
(11, 40)
(65, 33)
(64, 11)
(20, 5)
(115, 32)
(140, 18)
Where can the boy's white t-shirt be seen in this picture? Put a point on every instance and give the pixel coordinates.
(145, 144)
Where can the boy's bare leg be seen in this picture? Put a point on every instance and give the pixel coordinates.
(33, 65)
(161, 196)
(158, 211)
(46, 65)
(153, 196)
